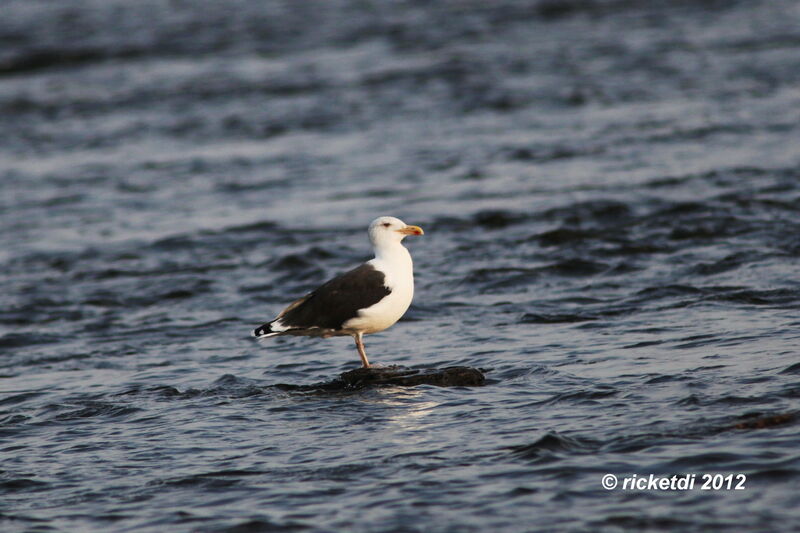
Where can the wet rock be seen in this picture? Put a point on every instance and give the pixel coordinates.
(381, 376)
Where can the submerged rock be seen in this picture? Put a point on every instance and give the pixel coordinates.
(379, 376)
(768, 421)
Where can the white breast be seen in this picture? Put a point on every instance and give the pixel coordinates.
(399, 278)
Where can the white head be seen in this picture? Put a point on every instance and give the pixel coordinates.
(385, 231)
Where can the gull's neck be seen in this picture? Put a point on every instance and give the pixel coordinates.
(392, 252)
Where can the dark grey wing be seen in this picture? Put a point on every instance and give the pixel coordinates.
(338, 300)
(265, 330)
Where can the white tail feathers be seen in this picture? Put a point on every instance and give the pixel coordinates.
(265, 335)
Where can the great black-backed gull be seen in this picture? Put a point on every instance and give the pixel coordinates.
(367, 299)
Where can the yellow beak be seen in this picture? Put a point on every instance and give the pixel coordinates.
(411, 230)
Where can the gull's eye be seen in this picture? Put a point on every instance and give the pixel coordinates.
(386, 224)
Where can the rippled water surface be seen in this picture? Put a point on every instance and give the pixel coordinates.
(611, 197)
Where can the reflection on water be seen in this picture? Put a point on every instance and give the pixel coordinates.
(409, 415)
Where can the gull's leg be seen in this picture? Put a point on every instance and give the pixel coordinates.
(361, 352)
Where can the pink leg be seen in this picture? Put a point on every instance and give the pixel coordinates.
(361, 352)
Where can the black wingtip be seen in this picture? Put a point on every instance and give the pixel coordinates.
(262, 330)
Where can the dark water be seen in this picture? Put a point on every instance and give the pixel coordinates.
(611, 197)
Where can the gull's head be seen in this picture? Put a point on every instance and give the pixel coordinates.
(386, 230)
